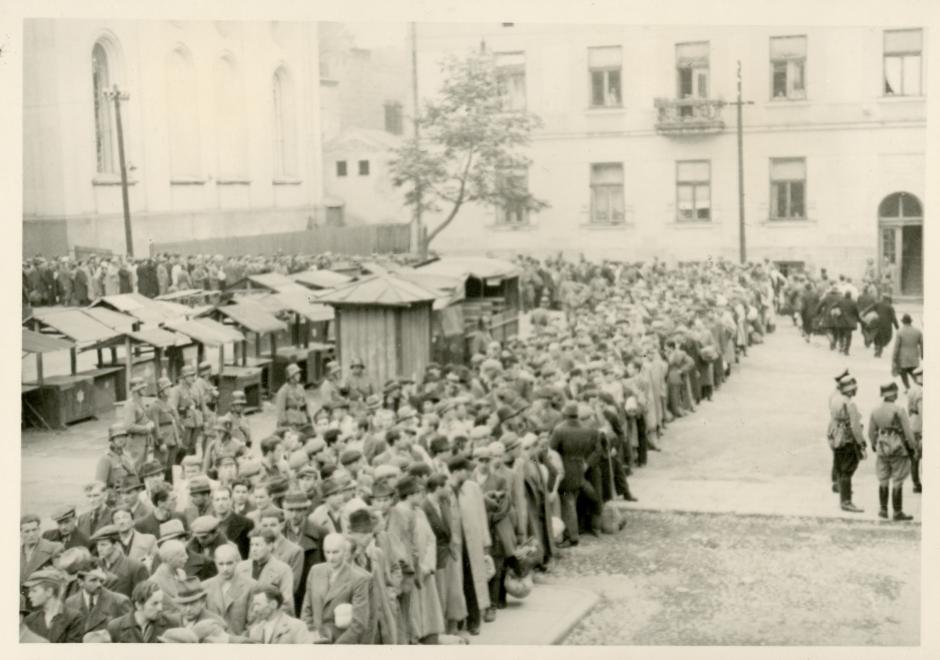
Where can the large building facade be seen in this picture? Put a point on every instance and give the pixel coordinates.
(638, 154)
(221, 131)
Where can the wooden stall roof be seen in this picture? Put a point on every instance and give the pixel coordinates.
(297, 302)
(112, 319)
(36, 342)
(175, 309)
(77, 325)
(450, 289)
(160, 338)
(182, 295)
(138, 306)
(206, 331)
(321, 279)
(380, 290)
(483, 268)
(252, 316)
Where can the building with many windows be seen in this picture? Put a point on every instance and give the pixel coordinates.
(638, 154)
(221, 131)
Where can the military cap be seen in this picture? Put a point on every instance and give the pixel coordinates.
(381, 490)
(150, 469)
(844, 375)
(406, 412)
(391, 385)
(137, 383)
(116, 430)
(199, 484)
(187, 370)
(373, 402)
(105, 533)
(238, 398)
(204, 525)
(190, 460)
(63, 512)
(385, 471)
(292, 370)
(497, 450)
(164, 383)
(204, 366)
(570, 410)
(357, 362)
(225, 457)
(350, 456)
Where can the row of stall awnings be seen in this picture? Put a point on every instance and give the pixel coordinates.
(92, 325)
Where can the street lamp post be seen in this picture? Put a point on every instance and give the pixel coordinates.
(742, 241)
(117, 95)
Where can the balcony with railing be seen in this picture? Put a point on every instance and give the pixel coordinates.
(690, 116)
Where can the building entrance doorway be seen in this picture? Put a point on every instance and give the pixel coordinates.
(901, 244)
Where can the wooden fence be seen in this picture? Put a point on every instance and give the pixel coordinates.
(361, 240)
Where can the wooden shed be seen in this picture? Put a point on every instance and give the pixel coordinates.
(385, 321)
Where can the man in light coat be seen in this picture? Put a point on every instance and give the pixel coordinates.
(264, 568)
(908, 350)
(228, 594)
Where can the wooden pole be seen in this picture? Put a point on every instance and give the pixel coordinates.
(128, 238)
(73, 360)
(128, 367)
(158, 358)
(39, 368)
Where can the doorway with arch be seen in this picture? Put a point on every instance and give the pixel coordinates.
(901, 243)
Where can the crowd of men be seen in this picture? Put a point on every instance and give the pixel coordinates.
(393, 513)
(77, 281)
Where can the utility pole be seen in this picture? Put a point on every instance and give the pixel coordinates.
(419, 230)
(742, 246)
(119, 96)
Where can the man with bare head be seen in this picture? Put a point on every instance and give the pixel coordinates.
(344, 619)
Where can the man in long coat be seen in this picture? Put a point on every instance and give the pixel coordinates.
(575, 444)
(475, 538)
(885, 325)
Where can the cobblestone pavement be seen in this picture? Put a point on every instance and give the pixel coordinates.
(721, 579)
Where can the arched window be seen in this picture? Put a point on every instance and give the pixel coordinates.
(285, 139)
(182, 117)
(105, 139)
(230, 114)
(900, 205)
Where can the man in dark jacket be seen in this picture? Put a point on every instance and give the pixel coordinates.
(885, 325)
(147, 622)
(233, 526)
(66, 532)
(96, 605)
(809, 303)
(829, 311)
(51, 619)
(308, 535)
(847, 322)
(575, 444)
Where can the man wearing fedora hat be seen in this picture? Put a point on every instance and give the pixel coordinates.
(168, 427)
(306, 534)
(291, 403)
(140, 427)
(915, 408)
(96, 604)
(191, 601)
(846, 439)
(66, 531)
(889, 431)
(51, 618)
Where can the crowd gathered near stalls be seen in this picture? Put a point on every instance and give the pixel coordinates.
(399, 512)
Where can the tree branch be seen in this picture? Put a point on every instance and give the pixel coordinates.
(457, 203)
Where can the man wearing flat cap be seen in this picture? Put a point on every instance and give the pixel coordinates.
(51, 618)
(125, 573)
(891, 437)
(206, 537)
(96, 604)
(191, 601)
(66, 532)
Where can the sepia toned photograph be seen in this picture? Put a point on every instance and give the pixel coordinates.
(472, 333)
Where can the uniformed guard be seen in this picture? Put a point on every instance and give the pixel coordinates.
(188, 406)
(114, 465)
(291, 403)
(139, 425)
(846, 439)
(837, 394)
(208, 395)
(240, 429)
(889, 431)
(168, 428)
(915, 408)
